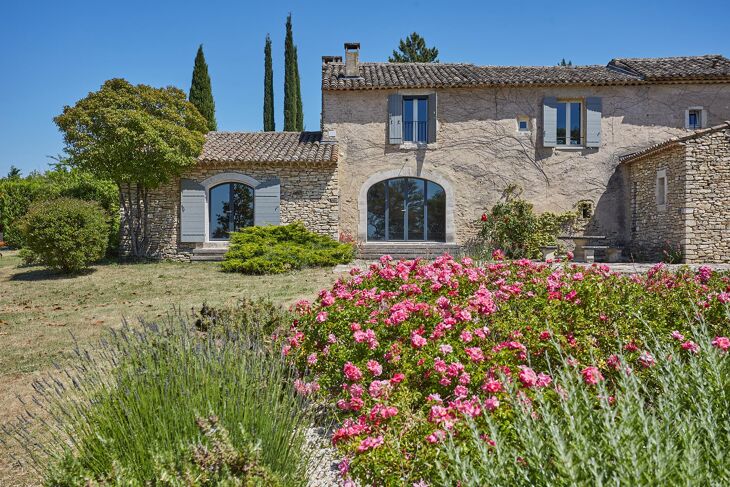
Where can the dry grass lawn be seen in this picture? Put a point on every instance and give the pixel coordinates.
(40, 312)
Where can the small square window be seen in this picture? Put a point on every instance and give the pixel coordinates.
(694, 118)
(523, 124)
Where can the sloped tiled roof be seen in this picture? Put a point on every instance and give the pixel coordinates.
(268, 147)
(712, 66)
(445, 75)
(652, 149)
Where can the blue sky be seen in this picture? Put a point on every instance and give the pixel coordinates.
(55, 52)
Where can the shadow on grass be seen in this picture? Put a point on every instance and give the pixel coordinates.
(44, 274)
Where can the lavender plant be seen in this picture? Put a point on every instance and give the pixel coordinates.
(670, 427)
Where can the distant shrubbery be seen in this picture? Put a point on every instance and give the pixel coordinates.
(129, 412)
(65, 234)
(513, 227)
(17, 194)
(278, 249)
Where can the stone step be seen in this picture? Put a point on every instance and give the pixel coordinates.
(370, 251)
(211, 254)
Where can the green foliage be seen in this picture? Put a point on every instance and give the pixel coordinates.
(269, 122)
(125, 413)
(201, 92)
(672, 254)
(292, 90)
(136, 136)
(65, 234)
(564, 63)
(211, 462)
(413, 49)
(14, 173)
(278, 249)
(513, 227)
(672, 428)
(17, 194)
(247, 316)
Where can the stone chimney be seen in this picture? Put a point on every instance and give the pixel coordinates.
(352, 53)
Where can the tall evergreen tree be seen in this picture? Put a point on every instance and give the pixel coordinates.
(563, 63)
(413, 50)
(300, 111)
(201, 93)
(269, 123)
(290, 80)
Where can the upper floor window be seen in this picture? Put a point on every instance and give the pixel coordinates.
(523, 124)
(570, 127)
(694, 118)
(415, 119)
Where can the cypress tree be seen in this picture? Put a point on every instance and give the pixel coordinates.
(300, 112)
(269, 123)
(290, 75)
(201, 93)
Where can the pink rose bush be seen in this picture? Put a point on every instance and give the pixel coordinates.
(408, 352)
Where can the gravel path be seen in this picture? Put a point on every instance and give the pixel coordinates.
(323, 462)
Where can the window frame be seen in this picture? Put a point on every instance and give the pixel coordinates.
(700, 111)
(526, 120)
(416, 118)
(661, 188)
(582, 136)
(231, 185)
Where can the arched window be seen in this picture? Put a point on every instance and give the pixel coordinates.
(406, 209)
(231, 207)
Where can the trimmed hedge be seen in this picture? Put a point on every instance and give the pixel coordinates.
(279, 249)
(18, 194)
(66, 234)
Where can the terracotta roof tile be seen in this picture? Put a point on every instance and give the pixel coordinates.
(268, 147)
(444, 75)
(671, 143)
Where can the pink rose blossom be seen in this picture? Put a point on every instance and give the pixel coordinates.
(591, 375)
(646, 359)
(723, 343)
(417, 340)
(491, 403)
(352, 373)
(445, 348)
(322, 317)
(436, 437)
(370, 443)
(492, 385)
(690, 346)
(528, 377)
(312, 359)
(677, 335)
(374, 367)
(543, 380)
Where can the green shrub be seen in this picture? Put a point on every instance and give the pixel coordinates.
(672, 428)
(513, 227)
(128, 409)
(18, 194)
(210, 462)
(247, 316)
(65, 234)
(278, 249)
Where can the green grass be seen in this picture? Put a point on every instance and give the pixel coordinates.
(40, 311)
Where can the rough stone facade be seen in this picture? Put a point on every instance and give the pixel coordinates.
(479, 151)
(696, 218)
(308, 194)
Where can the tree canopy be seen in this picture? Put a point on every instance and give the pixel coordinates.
(201, 92)
(413, 49)
(293, 116)
(269, 121)
(564, 63)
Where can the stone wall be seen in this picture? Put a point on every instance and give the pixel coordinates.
(657, 228)
(479, 151)
(308, 194)
(708, 198)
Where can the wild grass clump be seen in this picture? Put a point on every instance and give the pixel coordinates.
(279, 249)
(127, 411)
(669, 428)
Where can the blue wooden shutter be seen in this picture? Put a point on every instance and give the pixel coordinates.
(432, 118)
(192, 211)
(267, 197)
(395, 119)
(593, 122)
(550, 121)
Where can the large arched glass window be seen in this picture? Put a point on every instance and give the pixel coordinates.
(406, 209)
(230, 209)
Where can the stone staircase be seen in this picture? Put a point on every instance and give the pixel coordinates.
(372, 251)
(209, 253)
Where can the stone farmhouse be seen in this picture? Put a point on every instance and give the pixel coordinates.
(410, 155)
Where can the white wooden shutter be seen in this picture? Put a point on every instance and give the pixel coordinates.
(593, 122)
(703, 117)
(550, 121)
(395, 119)
(192, 211)
(267, 196)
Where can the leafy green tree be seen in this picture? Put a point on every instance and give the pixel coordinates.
(201, 93)
(291, 81)
(413, 49)
(13, 173)
(269, 123)
(564, 63)
(139, 137)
